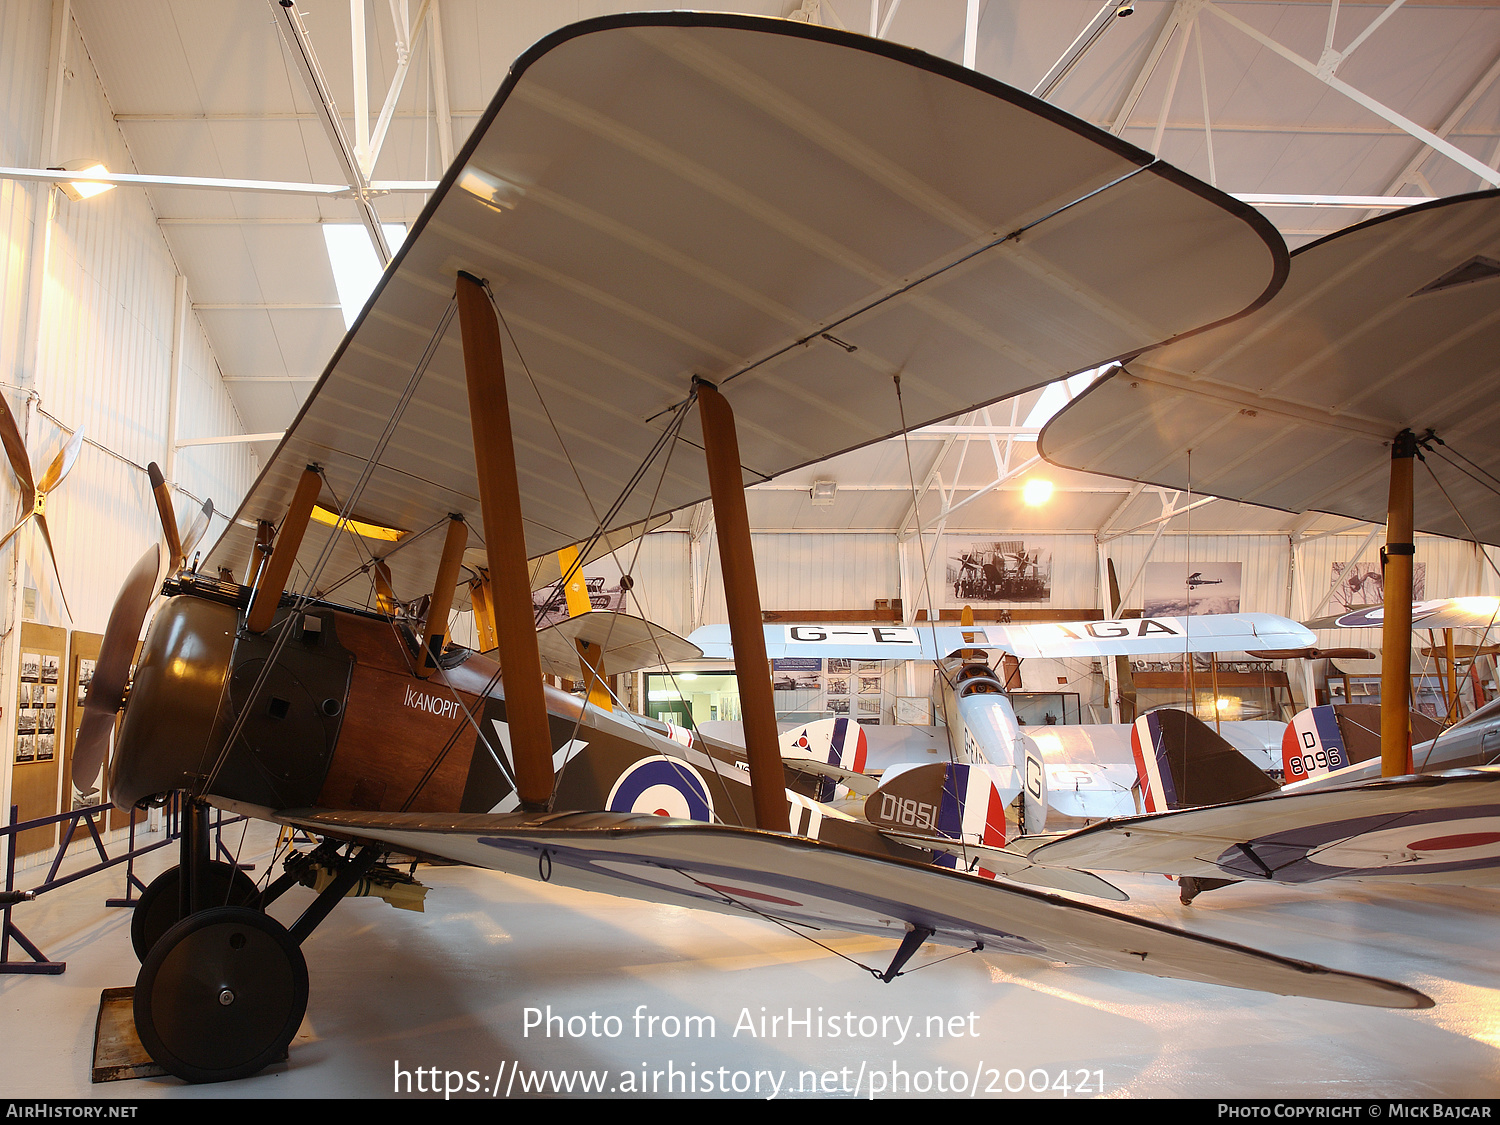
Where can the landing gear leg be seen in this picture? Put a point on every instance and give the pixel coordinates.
(172, 897)
(223, 991)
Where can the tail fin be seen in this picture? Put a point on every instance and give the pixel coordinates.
(956, 802)
(1181, 763)
(834, 742)
(1313, 745)
(1320, 740)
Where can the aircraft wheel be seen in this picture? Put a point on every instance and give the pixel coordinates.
(157, 911)
(220, 996)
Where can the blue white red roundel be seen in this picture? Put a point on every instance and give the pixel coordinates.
(1425, 843)
(662, 786)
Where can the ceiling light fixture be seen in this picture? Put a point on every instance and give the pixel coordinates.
(79, 190)
(1037, 491)
(823, 492)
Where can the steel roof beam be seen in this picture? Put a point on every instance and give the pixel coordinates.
(1326, 76)
(305, 62)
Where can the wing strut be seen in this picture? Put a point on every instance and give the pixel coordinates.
(721, 447)
(1395, 630)
(505, 545)
(435, 634)
(278, 568)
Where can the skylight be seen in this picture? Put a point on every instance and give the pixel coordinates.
(1057, 395)
(356, 269)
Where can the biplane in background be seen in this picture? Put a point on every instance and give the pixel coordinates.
(624, 265)
(1083, 772)
(1379, 350)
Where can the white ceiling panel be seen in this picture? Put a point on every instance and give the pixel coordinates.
(202, 87)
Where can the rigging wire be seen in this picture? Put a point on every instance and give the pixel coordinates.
(300, 601)
(950, 776)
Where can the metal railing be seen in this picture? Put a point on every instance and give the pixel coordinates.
(91, 818)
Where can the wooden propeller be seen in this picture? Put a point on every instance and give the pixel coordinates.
(112, 672)
(20, 463)
(179, 546)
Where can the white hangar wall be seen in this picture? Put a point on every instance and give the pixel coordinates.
(677, 577)
(88, 301)
(678, 582)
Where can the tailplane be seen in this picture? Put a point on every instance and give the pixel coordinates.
(1181, 763)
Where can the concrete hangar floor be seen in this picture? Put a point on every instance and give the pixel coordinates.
(665, 1001)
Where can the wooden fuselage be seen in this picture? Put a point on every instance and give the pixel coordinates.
(342, 721)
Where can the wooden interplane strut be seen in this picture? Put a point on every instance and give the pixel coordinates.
(742, 599)
(278, 568)
(435, 634)
(1395, 632)
(505, 544)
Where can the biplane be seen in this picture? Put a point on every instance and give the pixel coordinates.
(679, 254)
(1079, 771)
(1377, 353)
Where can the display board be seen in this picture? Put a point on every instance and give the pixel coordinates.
(41, 695)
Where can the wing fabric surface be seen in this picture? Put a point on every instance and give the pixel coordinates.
(794, 879)
(1433, 828)
(1441, 613)
(1393, 324)
(638, 198)
(1232, 632)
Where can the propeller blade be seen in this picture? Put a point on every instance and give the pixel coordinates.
(15, 448)
(15, 529)
(168, 516)
(112, 670)
(200, 525)
(41, 522)
(62, 464)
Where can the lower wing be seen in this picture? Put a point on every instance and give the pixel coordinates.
(810, 886)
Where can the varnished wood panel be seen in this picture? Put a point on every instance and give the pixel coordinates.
(394, 729)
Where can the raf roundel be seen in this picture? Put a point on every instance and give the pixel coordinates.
(662, 787)
(1422, 843)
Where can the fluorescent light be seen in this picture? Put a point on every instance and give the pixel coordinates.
(79, 190)
(356, 269)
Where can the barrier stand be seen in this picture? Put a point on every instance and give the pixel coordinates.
(10, 897)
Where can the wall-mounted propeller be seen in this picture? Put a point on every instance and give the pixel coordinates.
(20, 462)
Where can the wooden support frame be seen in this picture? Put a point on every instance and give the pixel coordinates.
(1395, 633)
(484, 611)
(278, 568)
(742, 599)
(590, 657)
(435, 632)
(385, 597)
(505, 544)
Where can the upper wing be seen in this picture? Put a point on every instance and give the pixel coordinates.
(814, 884)
(794, 213)
(627, 642)
(1226, 632)
(1442, 613)
(1385, 326)
(1436, 828)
